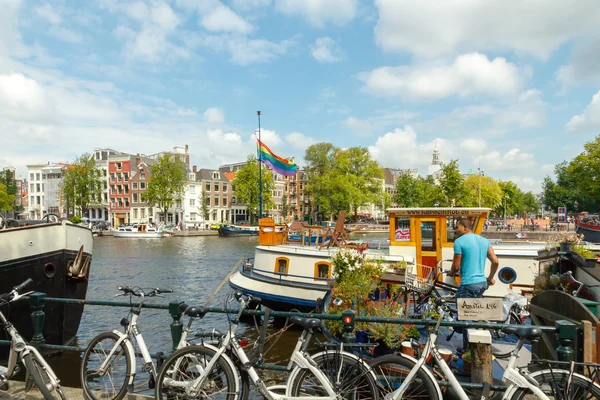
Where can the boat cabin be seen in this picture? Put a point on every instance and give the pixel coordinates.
(427, 234)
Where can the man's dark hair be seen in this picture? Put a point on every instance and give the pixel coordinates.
(466, 222)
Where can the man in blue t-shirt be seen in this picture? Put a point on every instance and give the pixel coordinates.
(470, 253)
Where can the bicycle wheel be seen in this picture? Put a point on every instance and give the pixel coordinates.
(391, 371)
(187, 364)
(40, 377)
(112, 384)
(356, 380)
(555, 384)
(503, 344)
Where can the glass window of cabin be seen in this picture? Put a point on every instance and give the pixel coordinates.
(402, 229)
(428, 235)
(451, 226)
(323, 270)
(281, 265)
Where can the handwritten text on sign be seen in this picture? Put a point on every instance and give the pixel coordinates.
(480, 309)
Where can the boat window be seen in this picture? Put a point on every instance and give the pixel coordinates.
(323, 270)
(281, 265)
(428, 236)
(451, 226)
(402, 232)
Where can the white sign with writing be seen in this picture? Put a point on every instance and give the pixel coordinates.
(480, 309)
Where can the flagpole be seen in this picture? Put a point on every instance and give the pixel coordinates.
(260, 199)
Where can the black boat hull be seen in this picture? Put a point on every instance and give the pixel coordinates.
(44, 253)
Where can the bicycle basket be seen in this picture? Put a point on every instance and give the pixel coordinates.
(421, 280)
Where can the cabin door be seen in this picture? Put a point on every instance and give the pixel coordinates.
(429, 241)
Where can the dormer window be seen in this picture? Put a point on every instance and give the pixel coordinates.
(215, 175)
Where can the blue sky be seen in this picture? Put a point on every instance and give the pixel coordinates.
(511, 85)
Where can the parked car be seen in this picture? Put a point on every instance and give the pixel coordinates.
(100, 226)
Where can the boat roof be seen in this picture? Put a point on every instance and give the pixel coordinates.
(439, 210)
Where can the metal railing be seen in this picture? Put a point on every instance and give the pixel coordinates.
(566, 330)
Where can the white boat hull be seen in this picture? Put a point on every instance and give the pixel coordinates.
(139, 235)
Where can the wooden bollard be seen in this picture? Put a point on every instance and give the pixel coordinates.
(480, 346)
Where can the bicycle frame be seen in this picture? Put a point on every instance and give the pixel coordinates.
(18, 350)
(299, 358)
(511, 373)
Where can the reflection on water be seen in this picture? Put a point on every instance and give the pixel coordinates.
(192, 266)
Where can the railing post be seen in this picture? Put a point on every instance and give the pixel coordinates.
(480, 345)
(37, 318)
(176, 325)
(567, 334)
(348, 335)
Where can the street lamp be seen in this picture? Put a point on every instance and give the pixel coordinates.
(480, 173)
(505, 197)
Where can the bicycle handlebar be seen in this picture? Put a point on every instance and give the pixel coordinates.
(140, 293)
(17, 291)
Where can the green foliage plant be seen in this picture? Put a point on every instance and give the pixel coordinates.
(583, 251)
(82, 184)
(390, 334)
(167, 183)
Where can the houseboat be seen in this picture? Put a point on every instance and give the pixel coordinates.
(288, 275)
(143, 231)
(57, 256)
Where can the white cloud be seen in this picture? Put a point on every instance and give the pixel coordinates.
(325, 50)
(214, 115)
(470, 74)
(249, 5)
(23, 99)
(47, 12)
(377, 123)
(430, 28)
(584, 66)
(245, 51)
(299, 141)
(320, 13)
(514, 159)
(401, 149)
(589, 120)
(158, 23)
(473, 145)
(223, 19)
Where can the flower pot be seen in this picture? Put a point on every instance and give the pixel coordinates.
(467, 366)
(407, 349)
(382, 349)
(361, 336)
(446, 355)
(566, 246)
(553, 252)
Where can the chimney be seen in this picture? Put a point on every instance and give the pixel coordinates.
(194, 169)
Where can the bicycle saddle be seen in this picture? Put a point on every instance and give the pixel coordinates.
(306, 323)
(523, 332)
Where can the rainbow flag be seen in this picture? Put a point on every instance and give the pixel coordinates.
(276, 163)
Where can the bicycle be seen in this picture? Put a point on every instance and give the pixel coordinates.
(404, 377)
(198, 371)
(432, 289)
(103, 373)
(39, 370)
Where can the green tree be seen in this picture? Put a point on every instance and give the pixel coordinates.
(247, 187)
(583, 173)
(319, 160)
(452, 185)
(167, 183)
(82, 184)
(406, 192)
(6, 200)
(364, 177)
(204, 204)
(285, 207)
(491, 192)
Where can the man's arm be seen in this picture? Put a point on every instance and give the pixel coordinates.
(455, 269)
(495, 263)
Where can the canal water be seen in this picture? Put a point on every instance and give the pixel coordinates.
(193, 267)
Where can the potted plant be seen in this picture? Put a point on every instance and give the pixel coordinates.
(588, 257)
(399, 267)
(467, 359)
(411, 333)
(389, 336)
(567, 240)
